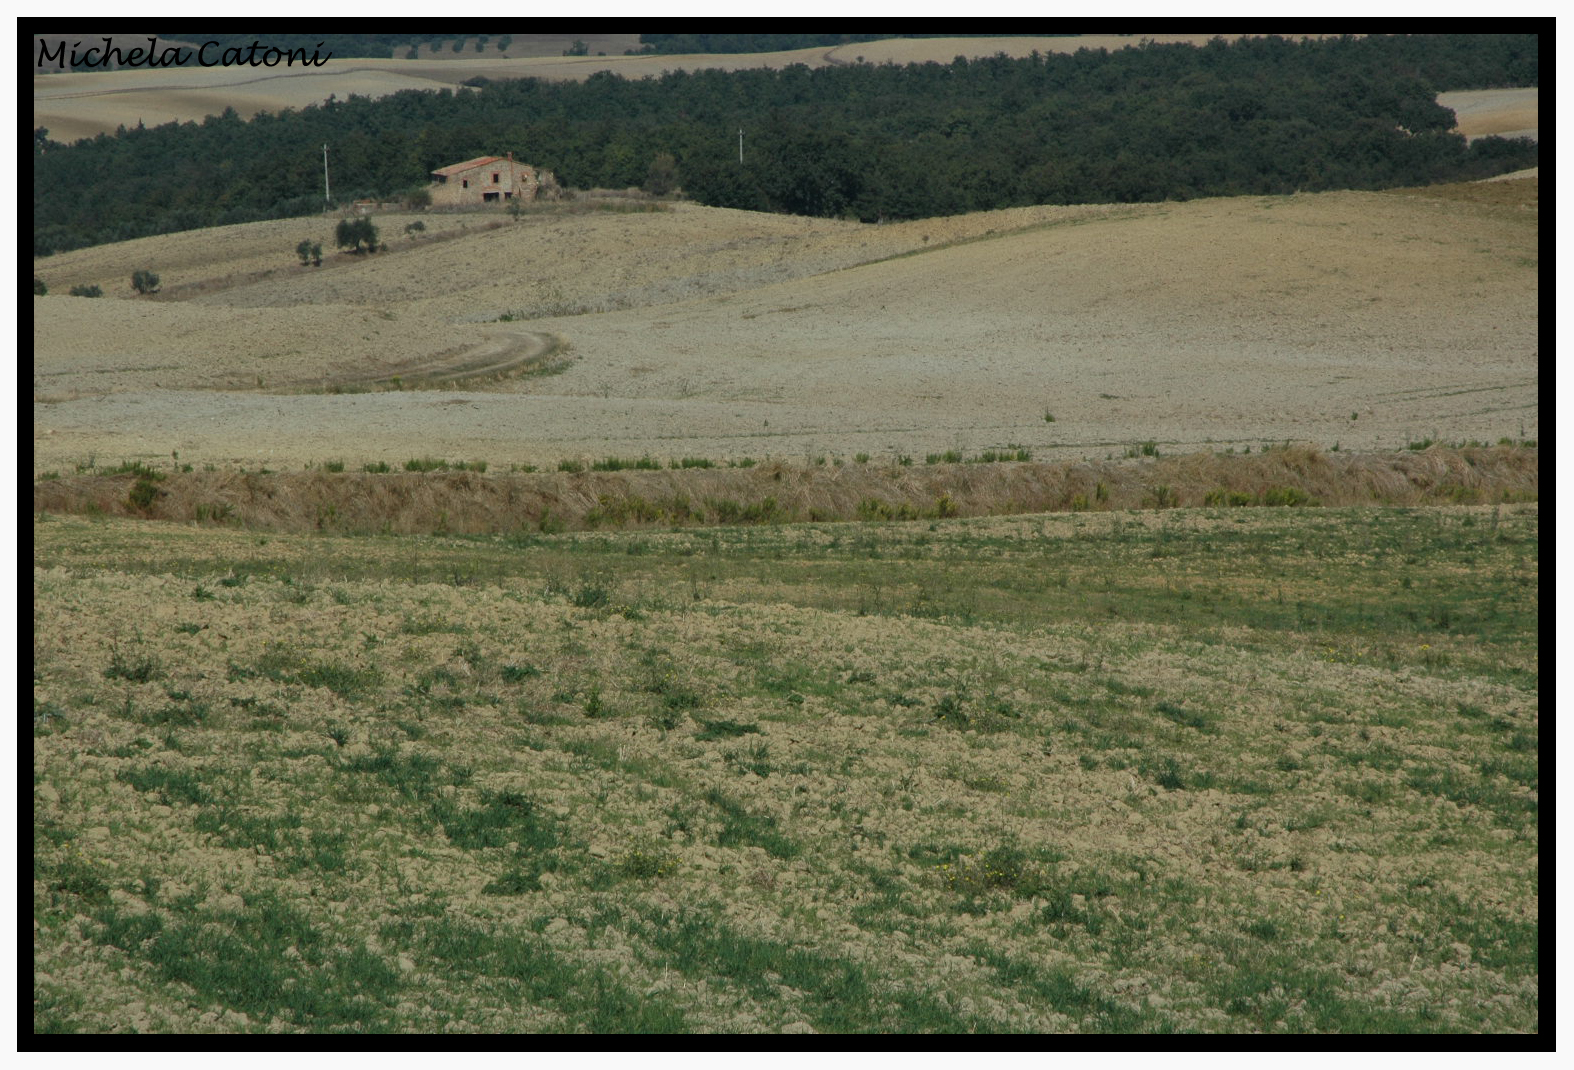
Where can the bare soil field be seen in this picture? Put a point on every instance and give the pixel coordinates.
(1364, 320)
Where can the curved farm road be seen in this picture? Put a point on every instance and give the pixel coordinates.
(500, 356)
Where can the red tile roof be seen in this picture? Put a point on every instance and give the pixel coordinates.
(479, 161)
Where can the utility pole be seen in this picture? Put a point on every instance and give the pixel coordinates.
(740, 145)
(327, 201)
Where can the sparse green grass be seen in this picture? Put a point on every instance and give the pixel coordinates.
(621, 464)
(1276, 769)
(433, 464)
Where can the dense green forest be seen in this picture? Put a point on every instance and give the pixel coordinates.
(1148, 123)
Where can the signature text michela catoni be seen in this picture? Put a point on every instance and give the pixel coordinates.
(209, 54)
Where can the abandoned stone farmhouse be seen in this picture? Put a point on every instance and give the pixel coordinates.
(484, 180)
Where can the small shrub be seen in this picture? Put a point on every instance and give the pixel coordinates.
(723, 729)
(950, 710)
(591, 594)
(39, 289)
(143, 493)
(87, 291)
(217, 512)
(47, 718)
(1003, 869)
(873, 509)
(646, 862)
(618, 464)
(1013, 453)
(144, 282)
(136, 669)
(376, 467)
(1286, 496)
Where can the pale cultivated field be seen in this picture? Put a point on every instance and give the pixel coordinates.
(1500, 112)
(1368, 320)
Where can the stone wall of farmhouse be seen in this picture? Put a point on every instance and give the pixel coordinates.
(470, 187)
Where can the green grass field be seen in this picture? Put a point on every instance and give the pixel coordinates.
(1215, 770)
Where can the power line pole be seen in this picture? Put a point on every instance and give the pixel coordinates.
(740, 145)
(327, 201)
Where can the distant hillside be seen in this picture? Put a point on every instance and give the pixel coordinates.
(1160, 122)
(677, 44)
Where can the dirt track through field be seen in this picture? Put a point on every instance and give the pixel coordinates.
(499, 357)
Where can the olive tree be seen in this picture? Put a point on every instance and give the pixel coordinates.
(351, 233)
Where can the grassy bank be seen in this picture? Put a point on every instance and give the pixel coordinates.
(430, 495)
(1192, 769)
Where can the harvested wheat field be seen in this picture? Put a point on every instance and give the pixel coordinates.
(1362, 320)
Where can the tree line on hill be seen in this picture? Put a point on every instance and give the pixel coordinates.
(872, 142)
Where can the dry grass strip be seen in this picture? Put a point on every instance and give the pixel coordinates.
(473, 503)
